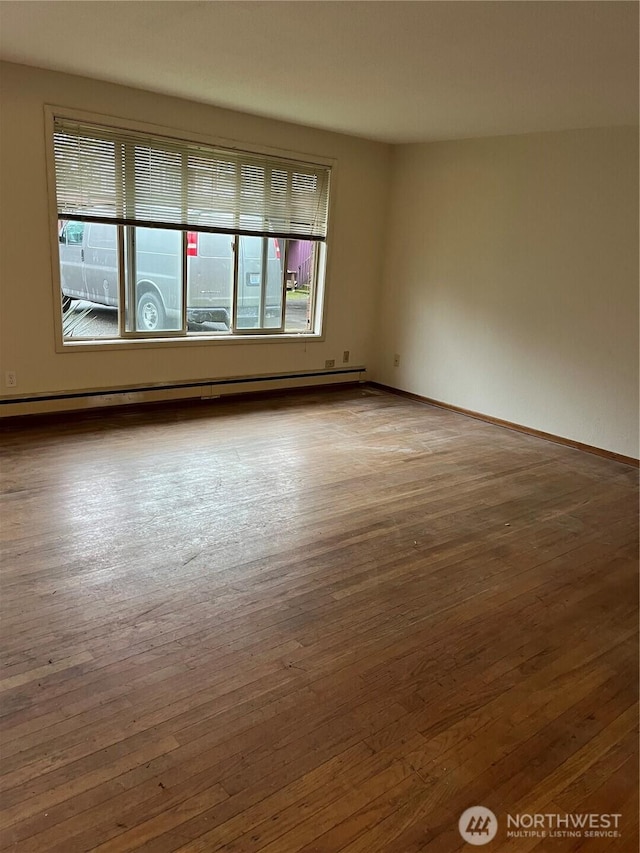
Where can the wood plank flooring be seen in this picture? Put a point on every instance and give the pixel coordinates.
(329, 621)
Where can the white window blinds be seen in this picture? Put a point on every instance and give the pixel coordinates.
(132, 178)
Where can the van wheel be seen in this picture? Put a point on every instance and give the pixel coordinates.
(150, 313)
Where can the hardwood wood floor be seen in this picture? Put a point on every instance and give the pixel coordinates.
(323, 622)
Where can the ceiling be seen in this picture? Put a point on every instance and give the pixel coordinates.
(391, 71)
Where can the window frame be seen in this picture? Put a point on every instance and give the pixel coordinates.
(236, 335)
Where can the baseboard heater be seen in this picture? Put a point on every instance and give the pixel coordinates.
(205, 390)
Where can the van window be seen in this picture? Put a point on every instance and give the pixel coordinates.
(73, 233)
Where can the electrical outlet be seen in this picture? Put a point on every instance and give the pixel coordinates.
(330, 362)
(396, 360)
(345, 357)
(10, 379)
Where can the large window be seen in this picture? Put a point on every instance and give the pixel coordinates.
(162, 238)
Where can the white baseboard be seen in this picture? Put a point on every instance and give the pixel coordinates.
(94, 399)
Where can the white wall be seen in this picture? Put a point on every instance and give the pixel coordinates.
(27, 339)
(511, 282)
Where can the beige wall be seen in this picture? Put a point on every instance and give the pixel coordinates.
(511, 282)
(27, 338)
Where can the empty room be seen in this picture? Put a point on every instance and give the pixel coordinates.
(319, 426)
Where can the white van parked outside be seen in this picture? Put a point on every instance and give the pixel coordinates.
(89, 271)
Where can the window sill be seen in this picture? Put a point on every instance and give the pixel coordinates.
(107, 344)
